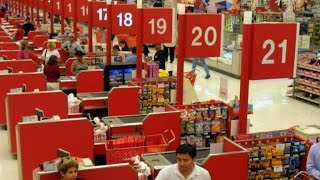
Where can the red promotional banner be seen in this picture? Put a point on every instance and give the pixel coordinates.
(124, 19)
(99, 14)
(82, 9)
(157, 25)
(203, 35)
(274, 53)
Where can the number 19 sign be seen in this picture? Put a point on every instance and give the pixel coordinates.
(203, 35)
(274, 50)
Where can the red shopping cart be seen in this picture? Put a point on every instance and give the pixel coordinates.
(302, 175)
(151, 144)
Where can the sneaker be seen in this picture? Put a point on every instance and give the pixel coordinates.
(207, 76)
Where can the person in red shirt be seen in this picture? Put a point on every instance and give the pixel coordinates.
(51, 69)
(18, 35)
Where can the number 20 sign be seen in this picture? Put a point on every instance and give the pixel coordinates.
(274, 50)
(203, 35)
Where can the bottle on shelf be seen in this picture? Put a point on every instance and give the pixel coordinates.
(288, 15)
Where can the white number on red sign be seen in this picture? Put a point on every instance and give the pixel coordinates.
(209, 42)
(69, 7)
(161, 25)
(283, 45)
(84, 10)
(58, 5)
(102, 14)
(125, 19)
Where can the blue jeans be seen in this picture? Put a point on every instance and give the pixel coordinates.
(203, 63)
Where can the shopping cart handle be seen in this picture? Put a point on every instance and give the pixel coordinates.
(172, 135)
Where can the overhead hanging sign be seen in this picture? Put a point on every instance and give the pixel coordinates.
(124, 19)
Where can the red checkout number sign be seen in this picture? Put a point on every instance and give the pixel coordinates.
(203, 35)
(157, 25)
(83, 11)
(274, 51)
(124, 19)
(68, 9)
(57, 6)
(99, 12)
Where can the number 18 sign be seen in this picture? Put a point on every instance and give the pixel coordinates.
(274, 49)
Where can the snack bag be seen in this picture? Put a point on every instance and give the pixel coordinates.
(215, 126)
(184, 116)
(218, 112)
(191, 140)
(224, 112)
(190, 127)
(199, 141)
(198, 114)
(191, 114)
(211, 113)
(183, 127)
(206, 126)
(205, 115)
(198, 127)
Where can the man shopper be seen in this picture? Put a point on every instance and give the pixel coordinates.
(313, 161)
(185, 168)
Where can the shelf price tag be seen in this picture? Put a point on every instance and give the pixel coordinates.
(203, 35)
(99, 13)
(83, 11)
(280, 146)
(274, 53)
(157, 25)
(124, 19)
(68, 8)
(277, 169)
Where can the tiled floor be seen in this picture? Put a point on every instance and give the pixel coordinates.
(272, 110)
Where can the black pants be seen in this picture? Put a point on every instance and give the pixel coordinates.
(166, 50)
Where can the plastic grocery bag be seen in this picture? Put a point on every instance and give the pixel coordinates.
(73, 103)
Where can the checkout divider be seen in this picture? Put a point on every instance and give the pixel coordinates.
(26, 65)
(90, 81)
(119, 171)
(38, 142)
(9, 46)
(32, 81)
(9, 54)
(123, 101)
(51, 102)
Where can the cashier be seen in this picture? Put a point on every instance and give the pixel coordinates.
(68, 168)
(313, 162)
(186, 167)
(79, 64)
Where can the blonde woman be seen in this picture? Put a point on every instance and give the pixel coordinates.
(51, 50)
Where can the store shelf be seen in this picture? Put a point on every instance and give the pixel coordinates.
(308, 99)
(309, 68)
(306, 75)
(308, 84)
(312, 92)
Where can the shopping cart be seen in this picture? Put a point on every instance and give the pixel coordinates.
(302, 175)
(191, 76)
(152, 144)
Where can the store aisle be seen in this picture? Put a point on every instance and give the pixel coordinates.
(272, 109)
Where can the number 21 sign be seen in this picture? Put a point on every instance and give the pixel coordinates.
(274, 50)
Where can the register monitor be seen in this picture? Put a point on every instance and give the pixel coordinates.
(39, 113)
(62, 153)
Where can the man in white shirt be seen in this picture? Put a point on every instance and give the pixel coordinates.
(185, 168)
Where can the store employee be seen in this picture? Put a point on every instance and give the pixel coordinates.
(186, 168)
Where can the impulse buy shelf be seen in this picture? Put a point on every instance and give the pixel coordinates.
(274, 155)
(155, 92)
(307, 83)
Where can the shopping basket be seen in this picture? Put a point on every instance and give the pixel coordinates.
(302, 175)
(152, 144)
(191, 76)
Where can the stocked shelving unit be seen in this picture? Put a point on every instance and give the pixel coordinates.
(307, 83)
